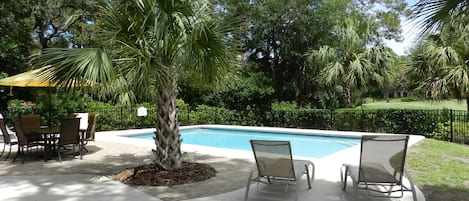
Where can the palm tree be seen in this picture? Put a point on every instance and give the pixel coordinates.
(432, 14)
(440, 64)
(150, 44)
(351, 64)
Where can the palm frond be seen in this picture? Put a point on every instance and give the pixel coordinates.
(360, 71)
(444, 56)
(69, 64)
(208, 53)
(431, 14)
(459, 77)
(322, 57)
(332, 73)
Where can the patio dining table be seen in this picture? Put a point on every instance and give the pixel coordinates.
(50, 135)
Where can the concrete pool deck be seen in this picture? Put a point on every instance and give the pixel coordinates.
(88, 179)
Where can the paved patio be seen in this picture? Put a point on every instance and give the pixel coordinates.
(89, 179)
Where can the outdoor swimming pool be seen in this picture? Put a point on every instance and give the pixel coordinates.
(315, 146)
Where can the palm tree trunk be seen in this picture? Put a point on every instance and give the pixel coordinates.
(348, 96)
(167, 154)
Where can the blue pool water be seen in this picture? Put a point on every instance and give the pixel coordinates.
(302, 145)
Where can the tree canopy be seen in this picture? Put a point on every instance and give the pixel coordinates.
(147, 45)
(276, 34)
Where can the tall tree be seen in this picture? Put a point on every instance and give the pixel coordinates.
(351, 65)
(15, 41)
(28, 25)
(58, 23)
(148, 44)
(440, 63)
(276, 34)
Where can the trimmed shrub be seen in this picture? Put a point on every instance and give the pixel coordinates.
(443, 132)
(299, 118)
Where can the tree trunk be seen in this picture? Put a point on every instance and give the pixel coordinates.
(348, 96)
(167, 154)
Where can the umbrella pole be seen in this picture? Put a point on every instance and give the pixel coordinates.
(50, 108)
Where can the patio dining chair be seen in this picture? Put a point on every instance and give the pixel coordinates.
(31, 124)
(276, 166)
(381, 168)
(91, 130)
(69, 135)
(8, 138)
(24, 141)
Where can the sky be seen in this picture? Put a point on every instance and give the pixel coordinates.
(409, 34)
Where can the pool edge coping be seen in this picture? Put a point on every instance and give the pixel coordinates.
(119, 136)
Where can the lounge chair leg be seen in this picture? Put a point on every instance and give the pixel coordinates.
(248, 186)
(343, 177)
(307, 176)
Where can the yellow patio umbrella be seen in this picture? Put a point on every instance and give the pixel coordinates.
(40, 77)
(34, 78)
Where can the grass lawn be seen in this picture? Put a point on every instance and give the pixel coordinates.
(440, 169)
(396, 103)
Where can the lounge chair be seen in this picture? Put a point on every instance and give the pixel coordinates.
(381, 167)
(24, 141)
(275, 165)
(69, 135)
(8, 138)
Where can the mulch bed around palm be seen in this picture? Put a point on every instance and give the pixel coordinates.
(151, 175)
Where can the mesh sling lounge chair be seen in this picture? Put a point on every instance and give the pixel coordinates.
(275, 165)
(8, 138)
(381, 167)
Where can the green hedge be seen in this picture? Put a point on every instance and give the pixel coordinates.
(459, 135)
(300, 118)
(203, 114)
(385, 121)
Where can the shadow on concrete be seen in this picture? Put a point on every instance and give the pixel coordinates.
(322, 190)
(108, 158)
(67, 187)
